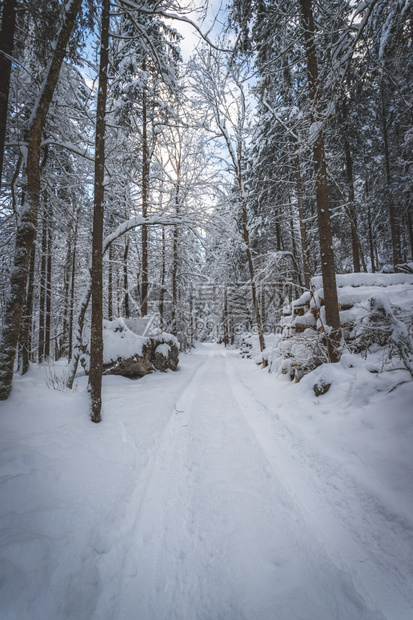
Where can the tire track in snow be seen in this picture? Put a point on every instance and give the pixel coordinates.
(216, 534)
(149, 530)
(123, 537)
(346, 551)
(206, 544)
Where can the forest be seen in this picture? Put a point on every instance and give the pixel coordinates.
(203, 190)
(206, 250)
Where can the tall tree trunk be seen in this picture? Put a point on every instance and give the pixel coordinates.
(163, 274)
(8, 23)
(303, 229)
(48, 284)
(27, 226)
(298, 278)
(371, 239)
(370, 229)
(96, 335)
(394, 225)
(323, 208)
(278, 235)
(409, 224)
(42, 279)
(110, 284)
(26, 331)
(175, 259)
(351, 211)
(125, 279)
(225, 318)
(72, 289)
(66, 294)
(145, 196)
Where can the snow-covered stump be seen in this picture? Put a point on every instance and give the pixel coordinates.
(131, 355)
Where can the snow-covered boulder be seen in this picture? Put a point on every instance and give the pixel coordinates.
(131, 355)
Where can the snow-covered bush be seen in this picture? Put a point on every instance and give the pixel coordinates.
(55, 378)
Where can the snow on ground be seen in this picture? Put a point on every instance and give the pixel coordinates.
(220, 492)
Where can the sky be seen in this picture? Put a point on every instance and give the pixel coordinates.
(210, 21)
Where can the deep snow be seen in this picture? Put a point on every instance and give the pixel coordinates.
(219, 492)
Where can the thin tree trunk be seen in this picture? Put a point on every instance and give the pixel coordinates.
(8, 23)
(42, 291)
(323, 208)
(175, 253)
(26, 331)
(394, 225)
(225, 318)
(66, 295)
(371, 240)
(352, 210)
(303, 230)
(72, 289)
(292, 231)
(370, 228)
(145, 196)
(110, 285)
(48, 285)
(350, 182)
(409, 224)
(125, 279)
(163, 274)
(191, 319)
(96, 329)
(294, 252)
(278, 236)
(27, 226)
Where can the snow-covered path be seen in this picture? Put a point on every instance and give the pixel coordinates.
(200, 497)
(227, 527)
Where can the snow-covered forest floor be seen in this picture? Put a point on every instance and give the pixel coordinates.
(217, 492)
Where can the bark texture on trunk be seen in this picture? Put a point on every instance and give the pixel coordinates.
(394, 224)
(8, 23)
(96, 329)
(303, 230)
(42, 285)
(26, 330)
(27, 227)
(323, 208)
